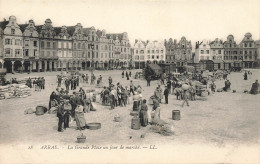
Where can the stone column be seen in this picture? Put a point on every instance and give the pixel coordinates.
(12, 66)
(45, 66)
(50, 66)
(30, 67)
(22, 66)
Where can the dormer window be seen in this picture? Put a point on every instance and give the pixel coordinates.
(12, 31)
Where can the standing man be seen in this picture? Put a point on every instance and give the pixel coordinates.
(148, 81)
(59, 81)
(185, 98)
(169, 85)
(72, 84)
(109, 80)
(132, 87)
(43, 83)
(123, 73)
(87, 78)
(166, 94)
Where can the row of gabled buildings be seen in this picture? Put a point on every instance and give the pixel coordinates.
(30, 47)
(229, 53)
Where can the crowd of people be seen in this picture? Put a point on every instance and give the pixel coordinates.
(73, 107)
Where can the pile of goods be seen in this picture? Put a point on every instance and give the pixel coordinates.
(14, 90)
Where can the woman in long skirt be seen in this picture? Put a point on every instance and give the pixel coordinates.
(143, 114)
(80, 119)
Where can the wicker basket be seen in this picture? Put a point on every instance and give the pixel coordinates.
(81, 138)
(93, 126)
(118, 119)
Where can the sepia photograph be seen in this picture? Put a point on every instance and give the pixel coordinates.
(129, 81)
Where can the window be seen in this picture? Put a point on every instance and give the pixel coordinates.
(219, 51)
(17, 42)
(202, 51)
(34, 52)
(152, 56)
(148, 51)
(35, 43)
(96, 47)
(8, 41)
(136, 57)
(153, 51)
(161, 51)
(245, 52)
(97, 55)
(157, 56)
(207, 51)
(157, 51)
(12, 31)
(142, 52)
(26, 43)
(26, 52)
(79, 45)
(54, 44)
(136, 51)
(48, 44)
(161, 56)
(148, 56)
(83, 45)
(74, 46)
(7, 52)
(142, 57)
(17, 53)
(245, 45)
(88, 54)
(42, 44)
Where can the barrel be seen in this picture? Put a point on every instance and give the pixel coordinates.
(176, 114)
(135, 123)
(40, 110)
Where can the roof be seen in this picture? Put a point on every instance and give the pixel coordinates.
(3, 24)
(23, 26)
(57, 30)
(70, 30)
(154, 66)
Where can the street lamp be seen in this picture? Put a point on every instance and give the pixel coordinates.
(92, 62)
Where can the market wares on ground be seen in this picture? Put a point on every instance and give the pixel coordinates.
(40, 110)
(176, 114)
(81, 138)
(93, 126)
(135, 124)
(134, 113)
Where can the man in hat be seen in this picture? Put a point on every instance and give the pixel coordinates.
(109, 80)
(166, 94)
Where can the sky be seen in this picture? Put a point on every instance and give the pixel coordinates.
(146, 19)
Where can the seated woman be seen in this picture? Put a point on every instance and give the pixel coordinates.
(79, 117)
